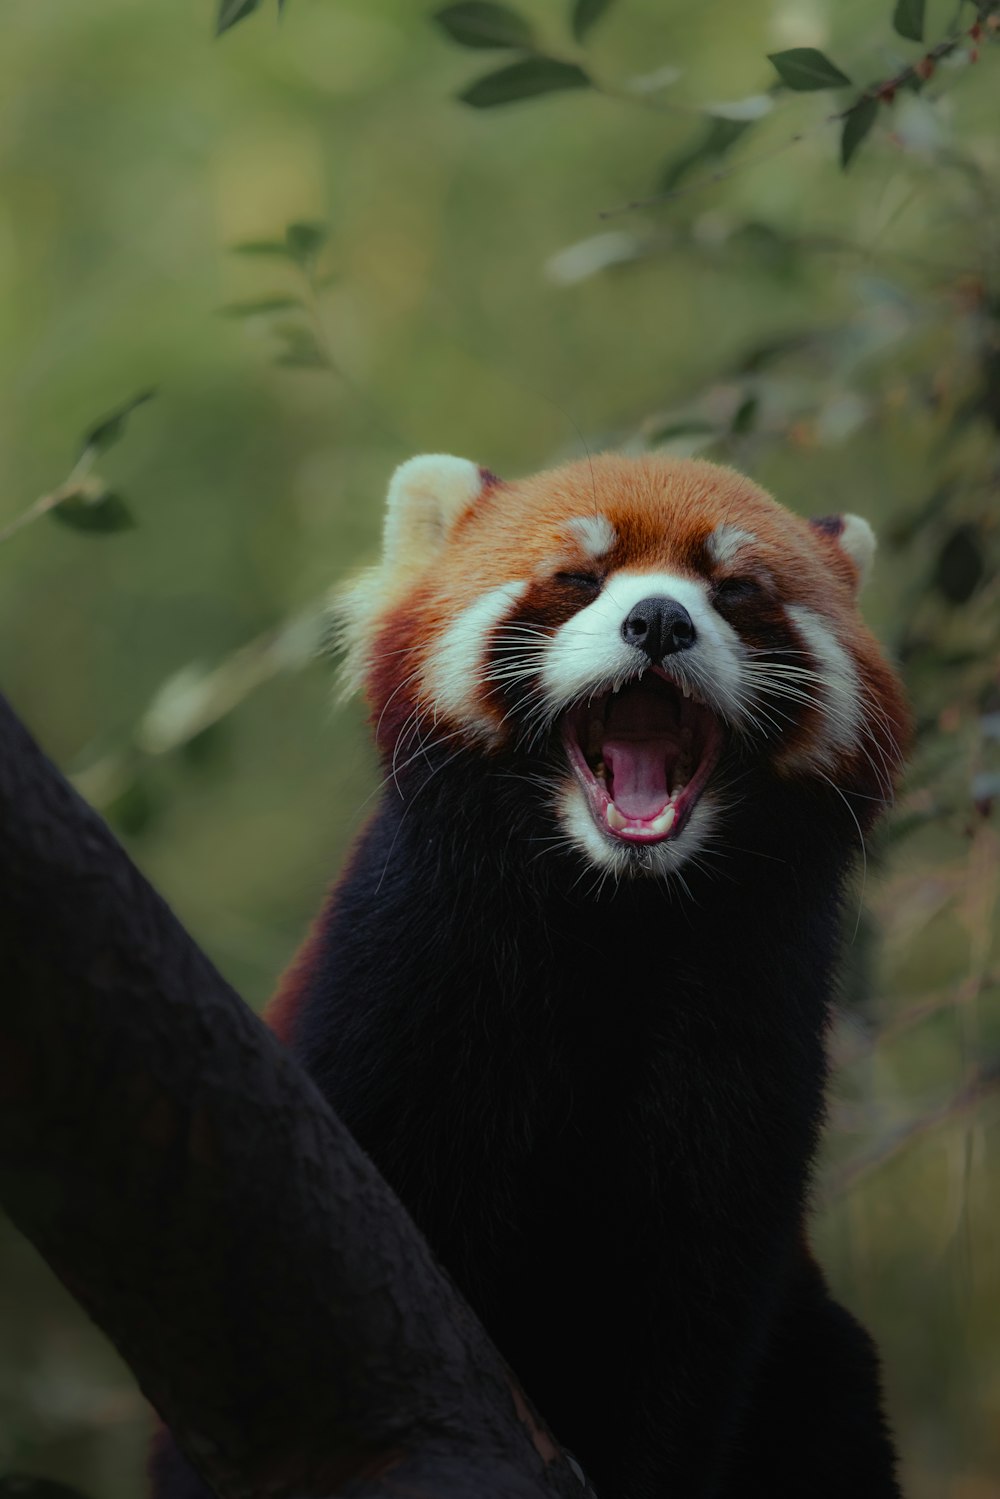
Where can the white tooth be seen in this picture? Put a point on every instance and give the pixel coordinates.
(664, 822)
(616, 688)
(614, 817)
(685, 689)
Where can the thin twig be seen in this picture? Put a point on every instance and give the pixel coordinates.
(66, 491)
(884, 92)
(982, 1082)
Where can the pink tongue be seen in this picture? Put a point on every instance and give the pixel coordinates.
(638, 775)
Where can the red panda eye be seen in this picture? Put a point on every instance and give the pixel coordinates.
(736, 590)
(590, 581)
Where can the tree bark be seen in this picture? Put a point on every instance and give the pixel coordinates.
(184, 1178)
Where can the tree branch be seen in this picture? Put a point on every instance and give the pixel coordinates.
(185, 1179)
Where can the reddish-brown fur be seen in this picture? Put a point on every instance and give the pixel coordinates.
(662, 511)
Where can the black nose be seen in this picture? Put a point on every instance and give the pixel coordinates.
(660, 627)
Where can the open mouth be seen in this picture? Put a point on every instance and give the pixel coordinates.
(643, 755)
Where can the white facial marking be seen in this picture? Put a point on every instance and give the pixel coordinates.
(453, 673)
(840, 694)
(725, 541)
(588, 653)
(594, 533)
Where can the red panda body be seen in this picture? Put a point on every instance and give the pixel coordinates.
(571, 992)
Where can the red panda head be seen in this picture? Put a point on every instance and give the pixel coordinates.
(655, 639)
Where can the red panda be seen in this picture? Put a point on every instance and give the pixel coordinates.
(571, 992)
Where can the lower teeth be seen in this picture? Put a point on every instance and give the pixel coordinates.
(664, 822)
(658, 827)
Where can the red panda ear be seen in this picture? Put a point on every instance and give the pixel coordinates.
(426, 496)
(855, 538)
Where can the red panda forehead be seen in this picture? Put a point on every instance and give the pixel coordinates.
(650, 514)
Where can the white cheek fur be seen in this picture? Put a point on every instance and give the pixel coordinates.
(839, 694)
(454, 670)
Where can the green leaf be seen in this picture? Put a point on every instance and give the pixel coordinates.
(207, 750)
(961, 564)
(857, 123)
(692, 427)
(109, 429)
(714, 142)
(99, 511)
(260, 306)
(585, 14)
(764, 355)
(305, 240)
(480, 23)
(301, 351)
(805, 69)
(276, 247)
(302, 243)
(721, 134)
(745, 418)
(908, 19)
(132, 812)
(231, 11)
(303, 358)
(524, 80)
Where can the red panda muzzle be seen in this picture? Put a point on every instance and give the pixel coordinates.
(643, 755)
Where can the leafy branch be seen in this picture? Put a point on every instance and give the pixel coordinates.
(184, 712)
(305, 344)
(482, 25)
(807, 70)
(83, 500)
(859, 116)
(534, 71)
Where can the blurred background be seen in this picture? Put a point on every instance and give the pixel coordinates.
(324, 260)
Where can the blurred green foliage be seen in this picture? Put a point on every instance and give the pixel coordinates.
(325, 261)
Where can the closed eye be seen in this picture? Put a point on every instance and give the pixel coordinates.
(588, 581)
(737, 590)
